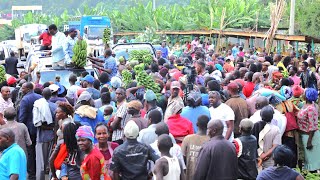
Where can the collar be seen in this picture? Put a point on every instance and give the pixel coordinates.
(235, 96)
(218, 137)
(131, 141)
(12, 145)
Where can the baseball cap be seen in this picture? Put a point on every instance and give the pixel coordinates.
(11, 80)
(84, 96)
(233, 86)
(175, 84)
(54, 87)
(131, 130)
(135, 104)
(149, 96)
(88, 78)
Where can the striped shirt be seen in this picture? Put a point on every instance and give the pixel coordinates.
(123, 114)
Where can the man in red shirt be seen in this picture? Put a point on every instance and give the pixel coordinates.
(46, 40)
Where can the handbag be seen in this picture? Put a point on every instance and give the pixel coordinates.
(291, 119)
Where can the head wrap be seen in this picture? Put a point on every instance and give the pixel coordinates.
(286, 92)
(311, 94)
(297, 90)
(116, 82)
(85, 132)
(219, 67)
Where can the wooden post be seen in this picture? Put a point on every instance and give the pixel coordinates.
(312, 46)
(297, 49)
(278, 47)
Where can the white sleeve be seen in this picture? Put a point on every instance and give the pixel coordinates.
(229, 113)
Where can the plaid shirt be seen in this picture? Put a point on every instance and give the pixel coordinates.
(121, 113)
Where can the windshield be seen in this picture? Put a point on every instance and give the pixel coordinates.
(95, 32)
(47, 76)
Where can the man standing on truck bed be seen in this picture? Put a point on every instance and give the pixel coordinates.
(58, 52)
(72, 38)
(108, 64)
(46, 40)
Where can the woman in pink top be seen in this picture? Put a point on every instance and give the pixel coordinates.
(293, 75)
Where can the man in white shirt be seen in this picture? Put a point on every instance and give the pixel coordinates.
(221, 111)
(58, 51)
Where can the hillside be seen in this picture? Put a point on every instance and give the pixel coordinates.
(71, 5)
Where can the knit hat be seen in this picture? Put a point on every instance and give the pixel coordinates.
(297, 90)
(85, 132)
(286, 92)
(131, 130)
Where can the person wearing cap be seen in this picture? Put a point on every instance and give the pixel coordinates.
(194, 109)
(133, 108)
(5, 102)
(131, 158)
(87, 82)
(93, 165)
(46, 38)
(11, 64)
(12, 83)
(179, 126)
(56, 90)
(107, 64)
(173, 100)
(238, 105)
(85, 113)
(69, 44)
(151, 103)
(26, 117)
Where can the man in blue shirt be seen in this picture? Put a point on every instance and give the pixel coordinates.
(26, 117)
(13, 162)
(164, 50)
(70, 42)
(108, 65)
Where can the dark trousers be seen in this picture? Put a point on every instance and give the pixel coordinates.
(290, 143)
(31, 159)
(45, 48)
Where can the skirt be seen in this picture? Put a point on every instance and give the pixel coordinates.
(311, 157)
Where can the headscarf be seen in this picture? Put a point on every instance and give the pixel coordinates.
(297, 90)
(286, 92)
(311, 94)
(85, 132)
(219, 67)
(271, 69)
(116, 82)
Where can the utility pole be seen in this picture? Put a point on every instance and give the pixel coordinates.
(292, 14)
(153, 5)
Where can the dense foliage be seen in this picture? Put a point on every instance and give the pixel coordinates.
(128, 15)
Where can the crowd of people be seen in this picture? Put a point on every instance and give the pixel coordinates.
(243, 114)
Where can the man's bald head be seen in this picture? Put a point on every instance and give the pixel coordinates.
(215, 128)
(7, 138)
(10, 113)
(46, 93)
(277, 58)
(5, 92)
(261, 102)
